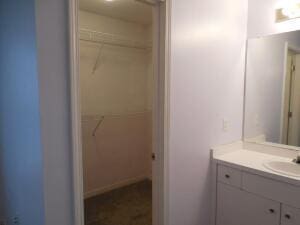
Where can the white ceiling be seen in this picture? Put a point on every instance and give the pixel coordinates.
(129, 10)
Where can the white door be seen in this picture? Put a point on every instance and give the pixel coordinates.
(159, 33)
(294, 114)
(287, 95)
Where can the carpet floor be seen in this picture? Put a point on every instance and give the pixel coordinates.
(130, 205)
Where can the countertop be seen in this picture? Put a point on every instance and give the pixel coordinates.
(251, 157)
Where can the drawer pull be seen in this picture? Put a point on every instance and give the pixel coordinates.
(287, 216)
(272, 211)
(227, 176)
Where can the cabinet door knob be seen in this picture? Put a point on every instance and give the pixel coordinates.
(272, 211)
(287, 216)
(227, 176)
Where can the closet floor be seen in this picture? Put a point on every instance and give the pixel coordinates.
(130, 205)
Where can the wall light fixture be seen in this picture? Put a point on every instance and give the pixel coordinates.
(288, 12)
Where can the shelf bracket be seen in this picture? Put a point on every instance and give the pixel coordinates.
(97, 126)
(97, 59)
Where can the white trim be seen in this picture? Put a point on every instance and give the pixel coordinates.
(75, 113)
(287, 47)
(294, 48)
(245, 90)
(76, 118)
(165, 220)
(121, 184)
(158, 112)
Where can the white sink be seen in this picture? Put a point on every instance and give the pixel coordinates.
(286, 168)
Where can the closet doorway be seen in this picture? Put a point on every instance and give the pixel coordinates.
(118, 93)
(291, 107)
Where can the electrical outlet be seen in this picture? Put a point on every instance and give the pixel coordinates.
(225, 125)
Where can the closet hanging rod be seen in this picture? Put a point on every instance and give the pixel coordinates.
(147, 2)
(111, 39)
(150, 2)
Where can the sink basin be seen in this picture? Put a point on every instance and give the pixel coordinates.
(286, 168)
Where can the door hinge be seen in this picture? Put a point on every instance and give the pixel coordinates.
(293, 68)
(290, 115)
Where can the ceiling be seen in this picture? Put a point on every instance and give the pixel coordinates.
(129, 10)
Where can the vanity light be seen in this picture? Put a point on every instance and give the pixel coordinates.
(291, 11)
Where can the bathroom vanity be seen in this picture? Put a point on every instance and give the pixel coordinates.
(256, 181)
(255, 185)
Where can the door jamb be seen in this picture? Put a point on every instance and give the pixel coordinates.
(77, 167)
(287, 47)
(77, 164)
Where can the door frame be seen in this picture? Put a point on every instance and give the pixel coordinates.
(288, 47)
(161, 115)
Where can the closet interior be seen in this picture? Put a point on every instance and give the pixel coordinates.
(116, 88)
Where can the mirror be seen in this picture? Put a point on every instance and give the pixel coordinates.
(272, 94)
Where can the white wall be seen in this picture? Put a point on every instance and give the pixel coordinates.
(265, 82)
(207, 75)
(120, 89)
(206, 85)
(261, 19)
(118, 155)
(54, 77)
(119, 84)
(127, 70)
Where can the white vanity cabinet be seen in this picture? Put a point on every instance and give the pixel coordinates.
(237, 207)
(290, 215)
(242, 201)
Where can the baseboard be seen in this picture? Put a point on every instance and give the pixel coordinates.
(121, 184)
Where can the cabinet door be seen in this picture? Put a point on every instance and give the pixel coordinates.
(290, 215)
(237, 207)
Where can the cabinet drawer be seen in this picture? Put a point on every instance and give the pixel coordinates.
(229, 176)
(272, 189)
(238, 207)
(290, 215)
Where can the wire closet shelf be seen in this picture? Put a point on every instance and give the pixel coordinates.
(112, 39)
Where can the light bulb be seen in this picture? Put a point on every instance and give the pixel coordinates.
(291, 11)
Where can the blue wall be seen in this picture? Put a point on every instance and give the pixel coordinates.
(21, 167)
